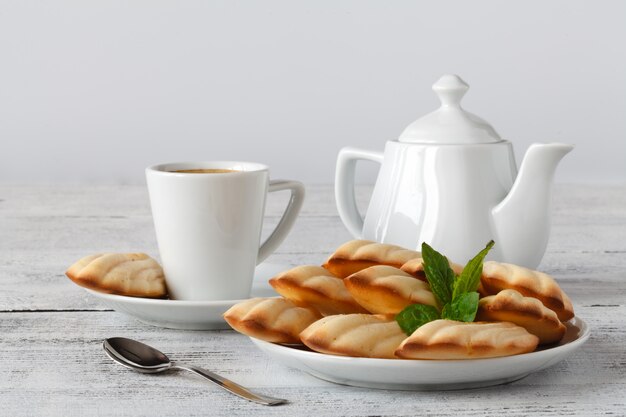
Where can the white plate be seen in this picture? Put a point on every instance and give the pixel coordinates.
(189, 315)
(403, 374)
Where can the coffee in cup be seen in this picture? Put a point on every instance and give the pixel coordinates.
(205, 171)
(208, 218)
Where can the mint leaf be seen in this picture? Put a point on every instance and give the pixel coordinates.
(438, 273)
(469, 279)
(455, 295)
(462, 308)
(416, 315)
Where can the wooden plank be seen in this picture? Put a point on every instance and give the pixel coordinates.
(109, 200)
(67, 363)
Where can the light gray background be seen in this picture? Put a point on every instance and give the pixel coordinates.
(93, 91)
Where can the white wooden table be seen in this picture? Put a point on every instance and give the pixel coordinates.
(52, 363)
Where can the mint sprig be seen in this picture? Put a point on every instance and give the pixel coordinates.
(456, 295)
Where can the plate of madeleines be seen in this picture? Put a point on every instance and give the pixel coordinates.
(381, 316)
(373, 315)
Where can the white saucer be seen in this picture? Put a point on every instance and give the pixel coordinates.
(189, 315)
(403, 374)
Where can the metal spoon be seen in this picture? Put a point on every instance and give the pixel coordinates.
(143, 358)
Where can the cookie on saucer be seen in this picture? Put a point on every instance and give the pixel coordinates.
(130, 274)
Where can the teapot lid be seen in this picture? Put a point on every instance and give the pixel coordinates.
(450, 123)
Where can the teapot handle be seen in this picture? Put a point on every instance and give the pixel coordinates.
(344, 186)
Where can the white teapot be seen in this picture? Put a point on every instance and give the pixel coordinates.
(451, 181)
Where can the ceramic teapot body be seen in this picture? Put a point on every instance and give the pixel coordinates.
(454, 196)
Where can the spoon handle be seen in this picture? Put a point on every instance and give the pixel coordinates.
(231, 386)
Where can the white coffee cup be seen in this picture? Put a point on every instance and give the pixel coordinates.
(208, 225)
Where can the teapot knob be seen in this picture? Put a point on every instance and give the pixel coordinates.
(450, 88)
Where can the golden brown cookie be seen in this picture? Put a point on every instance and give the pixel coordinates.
(415, 267)
(384, 289)
(501, 276)
(130, 274)
(528, 312)
(360, 335)
(356, 255)
(314, 286)
(448, 339)
(274, 320)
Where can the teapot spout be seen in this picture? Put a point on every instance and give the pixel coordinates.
(522, 220)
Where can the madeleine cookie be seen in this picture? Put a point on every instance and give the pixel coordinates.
(130, 274)
(448, 339)
(360, 335)
(384, 289)
(356, 255)
(316, 287)
(528, 312)
(415, 267)
(271, 319)
(501, 276)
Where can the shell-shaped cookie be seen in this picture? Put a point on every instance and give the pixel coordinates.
(415, 267)
(356, 255)
(384, 289)
(501, 276)
(130, 274)
(448, 339)
(528, 312)
(274, 320)
(316, 287)
(361, 335)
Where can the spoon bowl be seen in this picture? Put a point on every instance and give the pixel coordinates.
(136, 355)
(146, 359)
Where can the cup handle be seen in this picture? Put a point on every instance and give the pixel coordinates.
(344, 186)
(289, 216)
